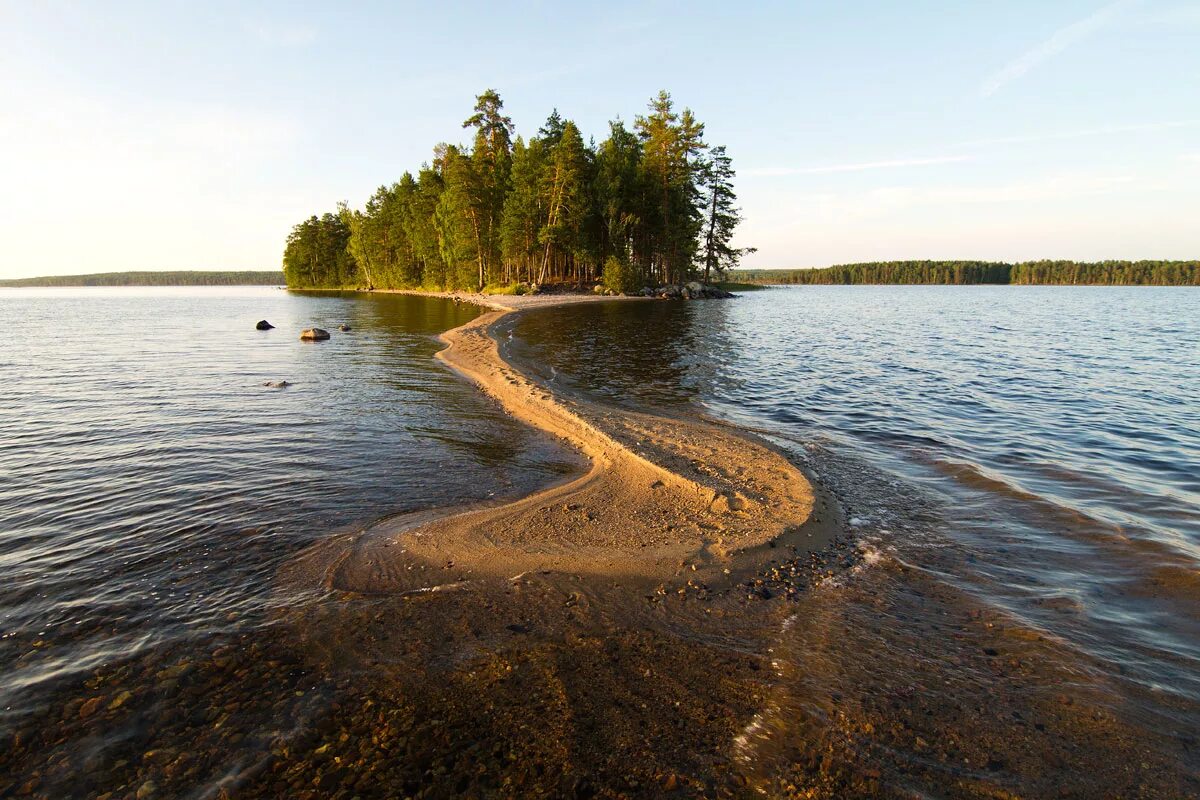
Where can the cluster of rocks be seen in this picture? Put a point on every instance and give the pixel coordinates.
(308, 334)
(692, 290)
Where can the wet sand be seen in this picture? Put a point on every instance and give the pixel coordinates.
(661, 498)
(606, 636)
(521, 649)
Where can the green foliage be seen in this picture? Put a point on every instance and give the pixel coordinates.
(1103, 273)
(721, 215)
(620, 277)
(180, 278)
(317, 255)
(550, 209)
(506, 288)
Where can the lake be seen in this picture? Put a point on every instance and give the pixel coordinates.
(1017, 471)
(1021, 466)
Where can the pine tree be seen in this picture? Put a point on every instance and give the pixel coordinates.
(523, 209)
(564, 194)
(458, 220)
(671, 144)
(722, 215)
(618, 193)
(491, 159)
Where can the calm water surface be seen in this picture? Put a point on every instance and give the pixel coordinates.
(152, 483)
(1018, 470)
(1025, 460)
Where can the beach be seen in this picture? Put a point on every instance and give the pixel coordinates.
(570, 546)
(662, 499)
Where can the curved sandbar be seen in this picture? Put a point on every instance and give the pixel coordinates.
(661, 496)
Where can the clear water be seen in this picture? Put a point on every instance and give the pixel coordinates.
(152, 484)
(1022, 459)
(1017, 468)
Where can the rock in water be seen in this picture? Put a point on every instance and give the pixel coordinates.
(343, 327)
(277, 384)
(314, 334)
(263, 325)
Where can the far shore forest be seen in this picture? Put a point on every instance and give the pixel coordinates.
(1049, 273)
(646, 206)
(246, 277)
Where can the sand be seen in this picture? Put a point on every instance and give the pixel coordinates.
(662, 498)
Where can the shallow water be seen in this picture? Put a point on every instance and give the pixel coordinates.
(152, 484)
(1023, 462)
(1013, 611)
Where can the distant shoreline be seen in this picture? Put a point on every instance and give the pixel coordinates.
(146, 278)
(988, 273)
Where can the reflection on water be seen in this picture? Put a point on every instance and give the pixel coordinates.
(1014, 612)
(1052, 430)
(152, 485)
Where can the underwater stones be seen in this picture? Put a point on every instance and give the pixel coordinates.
(314, 335)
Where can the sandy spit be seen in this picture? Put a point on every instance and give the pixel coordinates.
(661, 497)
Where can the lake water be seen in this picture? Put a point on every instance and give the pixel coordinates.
(152, 484)
(1018, 469)
(1021, 466)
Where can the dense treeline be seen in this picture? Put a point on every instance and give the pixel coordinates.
(650, 205)
(183, 278)
(1108, 273)
(1102, 273)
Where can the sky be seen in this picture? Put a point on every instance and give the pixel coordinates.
(179, 135)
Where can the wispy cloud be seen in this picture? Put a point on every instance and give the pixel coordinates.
(860, 166)
(1082, 133)
(1061, 39)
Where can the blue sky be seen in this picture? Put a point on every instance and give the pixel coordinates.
(174, 135)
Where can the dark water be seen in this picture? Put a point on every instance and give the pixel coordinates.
(1021, 468)
(150, 484)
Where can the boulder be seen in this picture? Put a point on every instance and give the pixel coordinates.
(343, 327)
(314, 334)
(695, 288)
(277, 384)
(263, 325)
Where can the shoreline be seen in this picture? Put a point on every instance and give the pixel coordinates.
(660, 498)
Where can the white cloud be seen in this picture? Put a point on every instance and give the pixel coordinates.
(1062, 39)
(854, 167)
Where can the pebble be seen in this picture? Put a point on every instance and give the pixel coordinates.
(89, 708)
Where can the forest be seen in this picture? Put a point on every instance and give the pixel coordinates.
(1065, 273)
(649, 205)
(180, 278)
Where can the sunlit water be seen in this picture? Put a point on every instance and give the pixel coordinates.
(151, 483)
(1017, 469)
(1022, 463)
